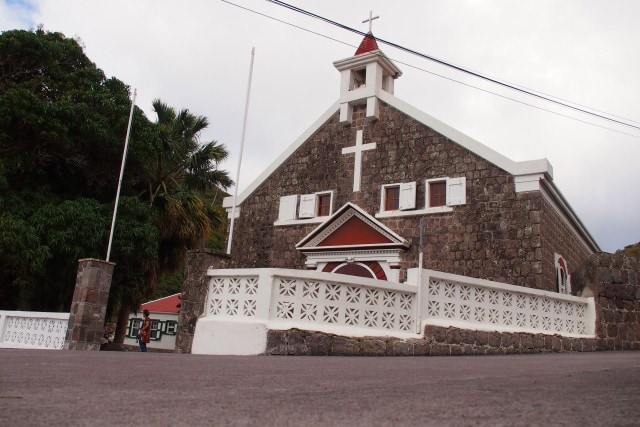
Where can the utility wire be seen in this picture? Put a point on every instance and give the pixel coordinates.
(450, 65)
(445, 77)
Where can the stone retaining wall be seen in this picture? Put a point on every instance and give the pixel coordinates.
(438, 341)
(612, 279)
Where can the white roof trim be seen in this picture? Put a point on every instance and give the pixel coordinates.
(335, 108)
(514, 168)
(562, 206)
(540, 166)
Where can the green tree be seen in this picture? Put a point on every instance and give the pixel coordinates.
(180, 172)
(179, 175)
(62, 128)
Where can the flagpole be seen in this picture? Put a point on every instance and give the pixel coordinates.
(124, 159)
(244, 130)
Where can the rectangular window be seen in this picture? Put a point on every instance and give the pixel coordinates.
(310, 206)
(446, 192)
(398, 197)
(437, 193)
(136, 324)
(391, 198)
(155, 330)
(323, 204)
(172, 328)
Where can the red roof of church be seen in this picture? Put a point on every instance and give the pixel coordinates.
(367, 44)
(163, 305)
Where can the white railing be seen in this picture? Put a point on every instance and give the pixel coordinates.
(32, 329)
(281, 299)
(450, 300)
(308, 299)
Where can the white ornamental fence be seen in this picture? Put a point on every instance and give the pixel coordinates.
(242, 304)
(465, 302)
(32, 329)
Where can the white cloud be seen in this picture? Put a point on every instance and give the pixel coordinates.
(196, 55)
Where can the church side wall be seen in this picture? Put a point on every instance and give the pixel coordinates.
(496, 235)
(558, 238)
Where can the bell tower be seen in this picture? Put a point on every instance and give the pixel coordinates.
(364, 75)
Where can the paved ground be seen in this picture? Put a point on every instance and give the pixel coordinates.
(69, 388)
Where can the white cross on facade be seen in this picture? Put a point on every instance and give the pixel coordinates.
(370, 20)
(357, 150)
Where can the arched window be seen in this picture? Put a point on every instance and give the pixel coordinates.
(563, 281)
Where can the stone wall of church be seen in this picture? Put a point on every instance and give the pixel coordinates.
(556, 237)
(496, 235)
(612, 279)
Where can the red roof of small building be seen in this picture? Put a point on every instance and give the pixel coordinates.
(367, 44)
(163, 305)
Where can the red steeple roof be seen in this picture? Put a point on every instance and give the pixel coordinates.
(367, 44)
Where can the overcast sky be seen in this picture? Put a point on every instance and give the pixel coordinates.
(195, 54)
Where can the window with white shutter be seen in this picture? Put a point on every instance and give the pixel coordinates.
(407, 196)
(456, 191)
(287, 207)
(307, 206)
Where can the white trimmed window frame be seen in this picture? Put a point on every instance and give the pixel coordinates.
(563, 279)
(406, 196)
(456, 195)
(301, 209)
(171, 327)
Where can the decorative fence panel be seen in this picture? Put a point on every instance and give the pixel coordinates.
(342, 304)
(283, 299)
(307, 298)
(473, 303)
(233, 296)
(30, 329)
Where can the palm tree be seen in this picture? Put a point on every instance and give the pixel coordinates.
(179, 173)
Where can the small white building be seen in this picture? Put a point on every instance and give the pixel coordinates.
(164, 323)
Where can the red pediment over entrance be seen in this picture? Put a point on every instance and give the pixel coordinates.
(354, 232)
(351, 227)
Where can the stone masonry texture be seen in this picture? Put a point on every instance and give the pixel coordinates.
(194, 293)
(89, 305)
(612, 280)
(498, 234)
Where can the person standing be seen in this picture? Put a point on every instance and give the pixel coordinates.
(145, 331)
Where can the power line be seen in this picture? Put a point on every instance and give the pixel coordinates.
(286, 23)
(450, 65)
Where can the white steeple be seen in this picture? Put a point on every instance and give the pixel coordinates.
(363, 76)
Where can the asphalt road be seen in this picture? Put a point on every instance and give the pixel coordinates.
(72, 388)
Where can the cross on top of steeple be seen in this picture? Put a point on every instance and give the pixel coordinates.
(370, 19)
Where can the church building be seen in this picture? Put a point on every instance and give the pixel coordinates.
(375, 186)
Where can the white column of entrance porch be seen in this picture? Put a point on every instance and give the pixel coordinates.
(357, 150)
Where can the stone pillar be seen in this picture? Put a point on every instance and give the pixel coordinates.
(89, 305)
(194, 293)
